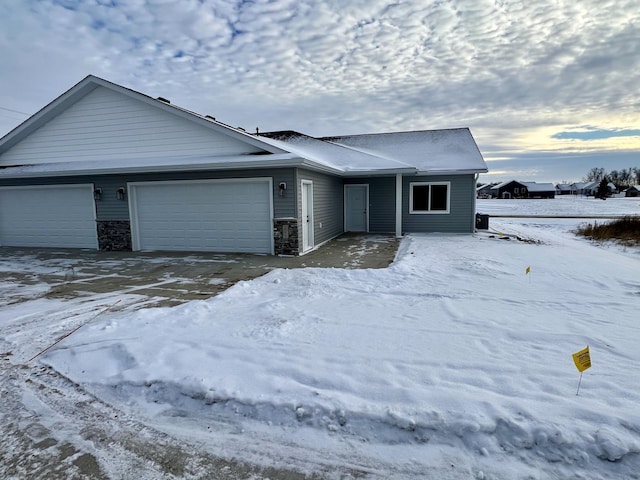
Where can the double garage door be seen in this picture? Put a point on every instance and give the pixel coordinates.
(212, 215)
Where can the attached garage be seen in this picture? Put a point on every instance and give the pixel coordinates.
(230, 215)
(168, 179)
(48, 216)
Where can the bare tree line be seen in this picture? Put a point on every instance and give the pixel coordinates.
(620, 178)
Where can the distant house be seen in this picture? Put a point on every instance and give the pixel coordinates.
(484, 191)
(515, 189)
(563, 189)
(633, 191)
(510, 189)
(583, 188)
(612, 188)
(592, 188)
(540, 190)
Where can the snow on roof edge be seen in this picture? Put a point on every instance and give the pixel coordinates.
(358, 160)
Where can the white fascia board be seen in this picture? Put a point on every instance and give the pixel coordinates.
(319, 167)
(276, 161)
(379, 173)
(452, 172)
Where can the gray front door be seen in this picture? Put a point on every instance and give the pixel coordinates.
(356, 208)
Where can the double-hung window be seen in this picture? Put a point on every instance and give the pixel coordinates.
(429, 197)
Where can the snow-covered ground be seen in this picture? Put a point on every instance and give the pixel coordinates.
(451, 363)
(561, 205)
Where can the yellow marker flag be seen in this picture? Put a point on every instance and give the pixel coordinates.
(528, 270)
(582, 359)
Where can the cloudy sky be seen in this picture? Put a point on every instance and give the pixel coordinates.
(549, 88)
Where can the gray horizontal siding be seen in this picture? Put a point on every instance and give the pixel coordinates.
(328, 204)
(461, 208)
(105, 124)
(328, 198)
(382, 200)
(110, 208)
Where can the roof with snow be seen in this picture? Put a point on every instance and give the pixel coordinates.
(430, 151)
(504, 184)
(531, 186)
(332, 155)
(424, 151)
(539, 187)
(452, 151)
(583, 185)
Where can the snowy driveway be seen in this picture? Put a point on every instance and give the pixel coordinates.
(161, 279)
(52, 427)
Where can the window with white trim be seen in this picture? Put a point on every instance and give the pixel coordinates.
(429, 197)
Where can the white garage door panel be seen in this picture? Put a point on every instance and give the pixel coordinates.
(215, 216)
(51, 216)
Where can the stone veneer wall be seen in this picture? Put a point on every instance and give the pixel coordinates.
(285, 236)
(114, 235)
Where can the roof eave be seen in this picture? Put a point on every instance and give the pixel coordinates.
(283, 161)
(320, 167)
(379, 172)
(468, 171)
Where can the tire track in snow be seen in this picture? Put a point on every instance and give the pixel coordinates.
(53, 428)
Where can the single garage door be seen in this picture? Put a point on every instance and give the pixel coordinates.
(48, 216)
(206, 216)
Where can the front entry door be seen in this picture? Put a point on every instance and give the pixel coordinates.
(356, 203)
(307, 215)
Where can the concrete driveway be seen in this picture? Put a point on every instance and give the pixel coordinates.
(53, 428)
(172, 278)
